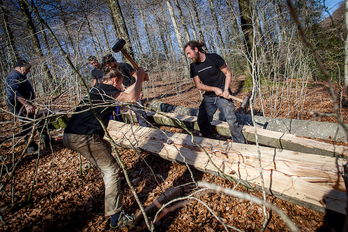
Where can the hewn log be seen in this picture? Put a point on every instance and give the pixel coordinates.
(311, 180)
(305, 128)
(265, 137)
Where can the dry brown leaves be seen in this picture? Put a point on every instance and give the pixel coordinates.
(68, 195)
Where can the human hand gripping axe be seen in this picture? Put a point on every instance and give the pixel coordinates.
(119, 46)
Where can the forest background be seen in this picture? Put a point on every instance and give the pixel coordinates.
(259, 40)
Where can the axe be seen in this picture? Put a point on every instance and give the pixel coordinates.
(245, 101)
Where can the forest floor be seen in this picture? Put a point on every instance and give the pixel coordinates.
(68, 195)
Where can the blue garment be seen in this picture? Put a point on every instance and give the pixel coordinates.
(207, 109)
(17, 85)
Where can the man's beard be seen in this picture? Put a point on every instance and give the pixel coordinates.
(196, 59)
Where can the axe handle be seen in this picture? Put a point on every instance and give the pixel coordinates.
(126, 54)
(235, 98)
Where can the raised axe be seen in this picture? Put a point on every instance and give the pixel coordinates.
(245, 101)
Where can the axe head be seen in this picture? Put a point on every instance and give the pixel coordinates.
(119, 45)
(245, 102)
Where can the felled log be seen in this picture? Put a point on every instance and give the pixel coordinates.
(310, 180)
(265, 137)
(305, 128)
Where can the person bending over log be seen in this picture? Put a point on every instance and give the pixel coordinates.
(211, 74)
(84, 134)
(129, 77)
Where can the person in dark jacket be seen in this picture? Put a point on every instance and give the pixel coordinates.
(84, 134)
(20, 101)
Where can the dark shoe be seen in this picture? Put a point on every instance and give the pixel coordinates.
(121, 220)
(33, 148)
(48, 141)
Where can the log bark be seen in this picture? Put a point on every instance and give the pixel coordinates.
(269, 138)
(306, 179)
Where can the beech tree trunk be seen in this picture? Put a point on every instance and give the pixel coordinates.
(221, 46)
(197, 22)
(183, 21)
(11, 48)
(180, 41)
(33, 34)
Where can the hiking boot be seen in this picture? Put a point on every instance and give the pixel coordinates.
(33, 148)
(121, 220)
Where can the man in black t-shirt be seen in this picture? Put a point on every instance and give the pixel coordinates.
(97, 72)
(211, 74)
(129, 77)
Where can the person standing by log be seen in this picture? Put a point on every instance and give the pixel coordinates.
(84, 134)
(211, 74)
(20, 101)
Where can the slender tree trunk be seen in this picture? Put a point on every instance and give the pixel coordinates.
(190, 12)
(183, 21)
(112, 20)
(101, 21)
(247, 28)
(236, 28)
(197, 22)
(49, 52)
(170, 42)
(162, 35)
(217, 27)
(178, 36)
(147, 30)
(11, 48)
(67, 31)
(346, 52)
(92, 35)
(121, 25)
(36, 43)
(134, 31)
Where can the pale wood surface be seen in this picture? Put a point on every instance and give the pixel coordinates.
(311, 180)
(265, 137)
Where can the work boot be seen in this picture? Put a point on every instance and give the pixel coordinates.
(32, 148)
(120, 220)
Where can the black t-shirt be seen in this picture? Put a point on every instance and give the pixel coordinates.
(209, 71)
(127, 70)
(86, 123)
(98, 74)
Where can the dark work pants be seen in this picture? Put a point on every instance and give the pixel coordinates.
(27, 126)
(207, 109)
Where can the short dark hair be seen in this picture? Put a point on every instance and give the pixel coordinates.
(22, 63)
(195, 44)
(92, 58)
(108, 58)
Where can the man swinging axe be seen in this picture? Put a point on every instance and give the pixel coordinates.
(211, 74)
